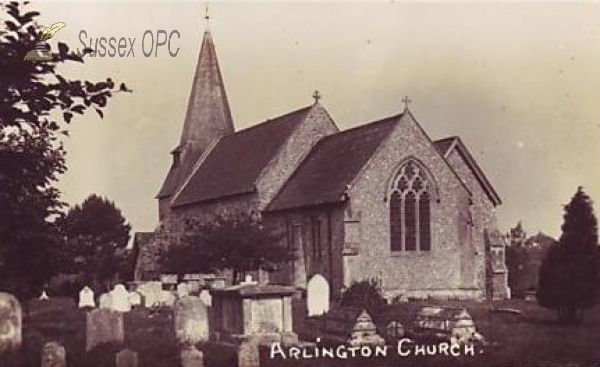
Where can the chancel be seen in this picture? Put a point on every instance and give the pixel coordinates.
(381, 200)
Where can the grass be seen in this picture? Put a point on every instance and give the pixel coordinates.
(530, 339)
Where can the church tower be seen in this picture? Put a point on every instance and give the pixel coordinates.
(208, 118)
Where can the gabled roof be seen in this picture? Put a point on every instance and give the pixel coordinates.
(236, 161)
(443, 145)
(331, 165)
(446, 145)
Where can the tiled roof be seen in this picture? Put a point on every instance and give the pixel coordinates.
(237, 160)
(332, 164)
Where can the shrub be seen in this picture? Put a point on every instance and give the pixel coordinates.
(365, 294)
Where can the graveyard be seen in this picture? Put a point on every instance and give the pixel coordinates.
(238, 326)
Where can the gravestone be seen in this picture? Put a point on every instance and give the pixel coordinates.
(191, 320)
(11, 323)
(120, 299)
(105, 301)
(206, 298)
(104, 326)
(191, 357)
(53, 355)
(135, 299)
(183, 290)
(127, 358)
(317, 295)
(86, 297)
(151, 292)
(167, 299)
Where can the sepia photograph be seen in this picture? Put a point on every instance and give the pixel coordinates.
(295, 184)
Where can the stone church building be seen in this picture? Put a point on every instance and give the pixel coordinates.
(382, 200)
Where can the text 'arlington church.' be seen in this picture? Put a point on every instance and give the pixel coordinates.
(381, 200)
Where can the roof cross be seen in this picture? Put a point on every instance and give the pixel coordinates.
(317, 96)
(206, 16)
(406, 101)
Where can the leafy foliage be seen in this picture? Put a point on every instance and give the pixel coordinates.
(238, 243)
(365, 294)
(95, 233)
(570, 273)
(36, 105)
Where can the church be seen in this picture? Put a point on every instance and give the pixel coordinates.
(379, 201)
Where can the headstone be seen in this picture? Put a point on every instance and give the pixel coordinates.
(248, 280)
(54, 355)
(167, 299)
(183, 290)
(86, 297)
(191, 357)
(127, 358)
(44, 295)
(191, 320)
(120, 299)
(105, 301)
(10, 323)
(135, 299)
(317, 295)
(104, 326)
(151, 292)
(206, 298)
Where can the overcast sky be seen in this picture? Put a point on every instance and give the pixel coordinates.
(519, 82)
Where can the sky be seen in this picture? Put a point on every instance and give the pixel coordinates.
(519, 82)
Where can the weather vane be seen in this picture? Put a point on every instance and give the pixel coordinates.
(42, 52)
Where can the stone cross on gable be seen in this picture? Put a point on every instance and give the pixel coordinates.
(317, 96)
(406, 101)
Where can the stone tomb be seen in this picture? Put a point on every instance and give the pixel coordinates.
(443, 323)
(11, 323)
(353, 326)
(252, 312)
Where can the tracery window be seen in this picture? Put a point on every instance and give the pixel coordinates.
(410, 211)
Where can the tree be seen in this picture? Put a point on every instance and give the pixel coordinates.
(238, 243)
(570, 272)
(36, 105)
(95, 234)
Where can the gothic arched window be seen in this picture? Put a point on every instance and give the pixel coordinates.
(410, 212)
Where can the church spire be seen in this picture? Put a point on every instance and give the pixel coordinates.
(207, 119)
(208, 116)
